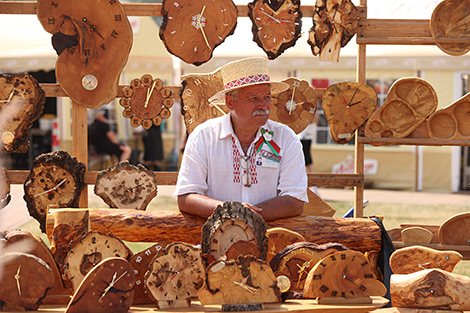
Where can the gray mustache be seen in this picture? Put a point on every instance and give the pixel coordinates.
(260, 112)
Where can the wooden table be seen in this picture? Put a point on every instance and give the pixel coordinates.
(292, 306)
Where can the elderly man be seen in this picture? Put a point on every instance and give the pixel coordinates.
(243, 156)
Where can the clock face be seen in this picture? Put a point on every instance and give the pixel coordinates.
(25, 281)
(295, 106)
(125, 186)
(107, 288)
(21, 103)
(192, 29)
(347, 106)
(55, 179)
(176, 275)
(296, 260)
(343, 274)
(276, 25)
(93, 39)
(146, 102)
(86, 252)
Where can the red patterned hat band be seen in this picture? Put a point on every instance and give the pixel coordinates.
(258, 78)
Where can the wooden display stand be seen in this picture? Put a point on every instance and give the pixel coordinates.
(376, 31)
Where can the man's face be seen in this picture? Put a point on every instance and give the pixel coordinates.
(252, 106)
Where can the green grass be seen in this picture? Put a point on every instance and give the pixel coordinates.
(394, 215)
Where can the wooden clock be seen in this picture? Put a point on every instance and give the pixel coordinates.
(276, 24)
(5, 195)
(140, 263)
(107, 288)
(191, 30)
(195, 93)
(295, 106)
(279, 238)
(296, 260)
(230, 223)
(21, 103)
(126, 186)
(344, 274)
(334, 24)
(55, 179)
(175, 277)
(86, 252)
(347, 106)
(146, 102)
(25, 281)
(242, 281)
(93, 39)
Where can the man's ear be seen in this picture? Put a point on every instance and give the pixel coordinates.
(229, 101)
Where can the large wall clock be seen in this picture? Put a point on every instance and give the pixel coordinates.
(93, 39)
(276, 26)
(192, 29)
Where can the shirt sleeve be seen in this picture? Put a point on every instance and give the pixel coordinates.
(192, 175)
(293, 177)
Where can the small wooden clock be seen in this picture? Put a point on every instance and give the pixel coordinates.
(192, 29)
(93, 39)
(21, 103)
(344, 274)
(56, 179)
(230, 223)
(146, 102)
(175, 277)
(276, 24)
(126, 186)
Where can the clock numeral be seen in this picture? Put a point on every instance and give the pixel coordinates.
(352, 292)
(343, 294)
(316, 276)
(114, 34)
(103, 47)
(138, 259)
(93, 239)
(353, 258)
(321, 263)
(343, 256)
(118, 17)
(138, 282)
(368, 276)
(334, 293)
(364, 263)
(51, 20)
(112, 2)
(148, 252)
(54, 4)
(86, 52)
(363, 288)
(323, 288)
(333, 257)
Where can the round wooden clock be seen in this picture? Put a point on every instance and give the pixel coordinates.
(126, 186)
(230, 223)
(279, 238)
(347, 106)
(25, 281)
(276, 24)
(5, 195)
(140, 263)
(296, 260)
(344, 274)
(93, 39)
(295, 106)
(107, 288)
(55, 179)
(175, 277)
(21, 103)
(192, 29)
(86, 252)
(146, 102)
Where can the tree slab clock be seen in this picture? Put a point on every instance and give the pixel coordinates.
(277, 24)
(334, 24)
(192, 29)
(93, 39)
(21, 103)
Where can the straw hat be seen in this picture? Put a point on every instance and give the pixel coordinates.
(245, 72)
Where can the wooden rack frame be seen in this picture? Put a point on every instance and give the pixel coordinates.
(370, 31)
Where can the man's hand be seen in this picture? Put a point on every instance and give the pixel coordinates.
(254, 208)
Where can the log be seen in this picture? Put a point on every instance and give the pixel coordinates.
(137, 226)
(430, 289)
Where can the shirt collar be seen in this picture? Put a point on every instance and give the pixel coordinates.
(226, 129)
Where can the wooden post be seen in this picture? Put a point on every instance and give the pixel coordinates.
(80, 142)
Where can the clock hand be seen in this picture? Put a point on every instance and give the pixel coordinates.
(17, 277)
(354, 103)
(246, 287)
(292, 101)
(9, 97)
(111, 284)
(334, 26)
(93, 28)
(149, 94)
(198, 20)
(349, 104)
(278, 21)
(185, 266)
(52, 189)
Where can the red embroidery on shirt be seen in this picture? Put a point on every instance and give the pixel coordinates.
(237, 167)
